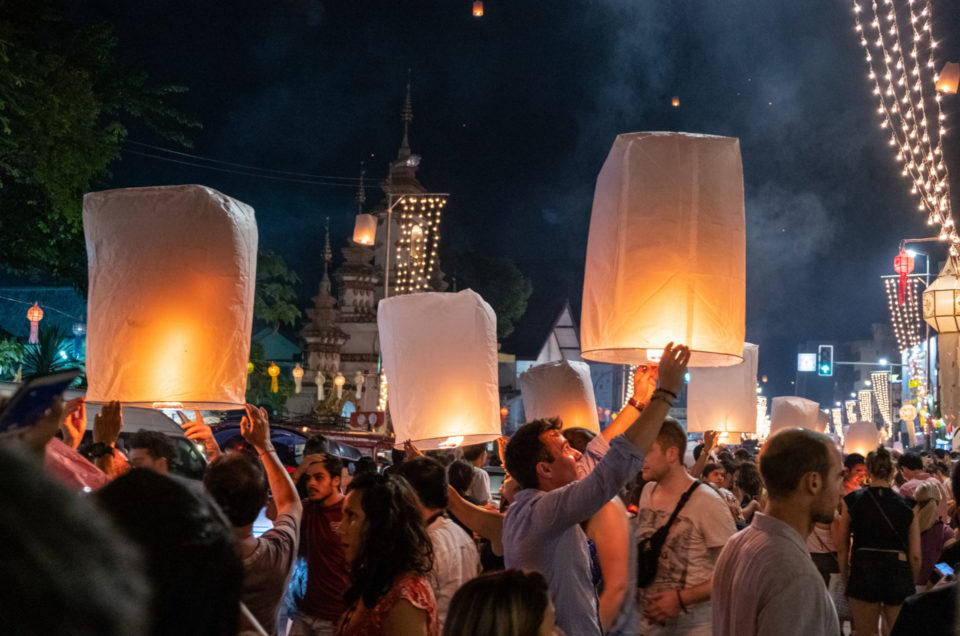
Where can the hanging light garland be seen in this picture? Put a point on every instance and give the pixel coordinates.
(865, 397)
(881, 389)
(837, 423)
(904, 80)
(851, 407)
(906, 319)
(416, 251)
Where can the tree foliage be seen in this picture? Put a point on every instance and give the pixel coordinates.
(258, 383)
(501, 284)
(64, 109)
(275, 298)
(45, 356)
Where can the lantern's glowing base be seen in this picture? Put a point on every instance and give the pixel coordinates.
(651, 356)
(452, 441)
(168, 405)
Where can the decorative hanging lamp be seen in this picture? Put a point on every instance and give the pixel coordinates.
(34, 315)
(273, 371)
(903, 265)
(297, 374)
(941, 300)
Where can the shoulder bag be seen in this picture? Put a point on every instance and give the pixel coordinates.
(648, 550)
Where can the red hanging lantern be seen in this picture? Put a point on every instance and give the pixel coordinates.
(34, 315)
(903, 265)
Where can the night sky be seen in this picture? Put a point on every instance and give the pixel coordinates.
(514, 114)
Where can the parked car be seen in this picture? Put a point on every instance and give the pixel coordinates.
(289, 442)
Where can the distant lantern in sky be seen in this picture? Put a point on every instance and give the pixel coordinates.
(170, 302)
(440, 353)
(675, 102)
(666, 257)
(478, 9)
(34, 315)
(948, 79)
(365, 229)
(561, 389)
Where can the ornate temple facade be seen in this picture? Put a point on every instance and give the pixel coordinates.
(341, 336)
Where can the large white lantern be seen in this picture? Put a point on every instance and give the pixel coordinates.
(724, 398)
(365, 229)
(666, 253)
(440, 353)
(793, 412)
(941, 300)
(861, 437)
(560, 389)
(170, 305)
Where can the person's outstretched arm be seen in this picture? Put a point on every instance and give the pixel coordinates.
(485, 522)
(644, 384)
(255, 428)
(673, 364)
(709, 443)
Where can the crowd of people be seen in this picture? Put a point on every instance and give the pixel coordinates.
(613, 533)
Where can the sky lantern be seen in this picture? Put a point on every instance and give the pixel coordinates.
(365, 229)
(170, 301)
(675, 102)
(903, 265)
(561, 389)
(948, 80)
(861, 437)
(793, 412)
(666, 257)
(478, 9)
(724, 398)
(34, 315)
(440, 353)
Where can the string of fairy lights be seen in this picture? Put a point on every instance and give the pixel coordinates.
(416, 250)
(906, 318)
(881, 391)
(905, 84)
(865, 399)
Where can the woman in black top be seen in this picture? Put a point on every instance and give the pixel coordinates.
(886, 547)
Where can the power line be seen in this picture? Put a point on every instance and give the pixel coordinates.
(353, 180)
(45, 307)
(242, 173)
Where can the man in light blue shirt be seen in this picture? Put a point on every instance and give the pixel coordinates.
(542, 527)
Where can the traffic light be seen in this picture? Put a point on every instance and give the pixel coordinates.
(825, 360)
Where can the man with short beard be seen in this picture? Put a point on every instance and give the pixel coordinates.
(765, 582)
(319, 599)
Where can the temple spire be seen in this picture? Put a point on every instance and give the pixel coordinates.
(361, 197)
(327, 257)
(406, 116)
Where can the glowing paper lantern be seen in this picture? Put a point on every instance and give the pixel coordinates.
(793, 412)
(338, 382)
(560, 389)
(274, 372)
(908, 413)
(861, 437)
(666, 254)
(297, 374)
(941, 300)
(365, 229)
(34, 315)
(170, 302)
(903, 265)
(675, 102)
(948, 79)
(478, 9)
(358, 382)
(440, 353)
(724, 398)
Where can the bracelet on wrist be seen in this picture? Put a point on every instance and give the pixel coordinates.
(663, 399)
(636, 404)
(680, 601)
(667, 391)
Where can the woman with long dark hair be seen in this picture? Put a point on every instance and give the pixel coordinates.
(505, 603)
(390, 554)
(886, 547)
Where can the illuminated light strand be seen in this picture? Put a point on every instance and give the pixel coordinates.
(416, 250)
(628, 388)
(763, 424)
(851, 407)
(865, 399)
(382, 394)
(881, 390)
(838, 423)
(905, 319)
(920, 144)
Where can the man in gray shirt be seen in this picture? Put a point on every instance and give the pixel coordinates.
(765, 583)
(542, 527)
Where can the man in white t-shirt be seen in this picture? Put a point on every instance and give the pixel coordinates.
(678, 599)
(480, 485)
(456, 559)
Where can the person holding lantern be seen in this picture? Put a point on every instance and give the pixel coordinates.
(542, 530)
